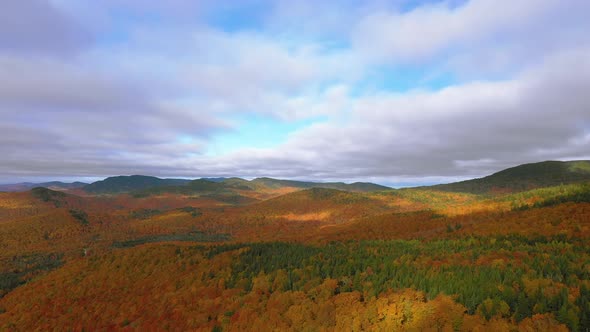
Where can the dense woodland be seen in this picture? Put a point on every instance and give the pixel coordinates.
(300, 259)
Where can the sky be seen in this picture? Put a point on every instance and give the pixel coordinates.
(394, 92)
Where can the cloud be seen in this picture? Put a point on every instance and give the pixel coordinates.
(39, 27)
(50, 83)
(126, 87)
(72, 118)
(432, 29)
(242, 72)
(469, 129)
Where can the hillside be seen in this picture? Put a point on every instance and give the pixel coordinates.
(120, 184)
(524, 177)
(223, 192)
(317, 200)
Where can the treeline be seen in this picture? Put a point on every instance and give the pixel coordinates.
(511, 277)
(579, 193)
(193, 236)
(499, 284)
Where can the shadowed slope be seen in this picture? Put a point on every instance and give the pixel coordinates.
(119, 184)
(524, 177)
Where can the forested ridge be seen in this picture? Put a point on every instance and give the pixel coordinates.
(525, 177)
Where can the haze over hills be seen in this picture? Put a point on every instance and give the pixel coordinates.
(356, 186)
(55, 185)
(515, 179)
(524, 177)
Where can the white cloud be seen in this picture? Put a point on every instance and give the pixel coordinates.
(490, 125)
(40, 27)
(143, 95)
(432, 29)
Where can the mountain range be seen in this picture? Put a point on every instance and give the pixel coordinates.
(515, 179)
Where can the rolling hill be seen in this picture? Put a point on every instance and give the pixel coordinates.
(121, 184)
(223, 192)
(140, 185)
(524, 177)
(194, 187)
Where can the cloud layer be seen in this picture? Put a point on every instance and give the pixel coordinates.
(392, 92)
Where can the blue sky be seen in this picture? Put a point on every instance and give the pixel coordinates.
(394, 92)
(255, 131)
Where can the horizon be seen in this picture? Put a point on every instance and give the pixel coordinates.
(395, 93)
(90, 180)
(398, 185)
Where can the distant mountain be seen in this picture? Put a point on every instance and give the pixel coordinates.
(54, 185)
(224, 191)
(57, 185)
(227, 185)
(366, 187)
(524, 177)
(121, 184)
(214, 179)
(238, 183)
(357, 186)
(232, 189)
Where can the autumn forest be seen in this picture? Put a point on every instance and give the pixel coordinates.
(507, 252)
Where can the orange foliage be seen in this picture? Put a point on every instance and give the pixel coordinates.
(169, 286)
